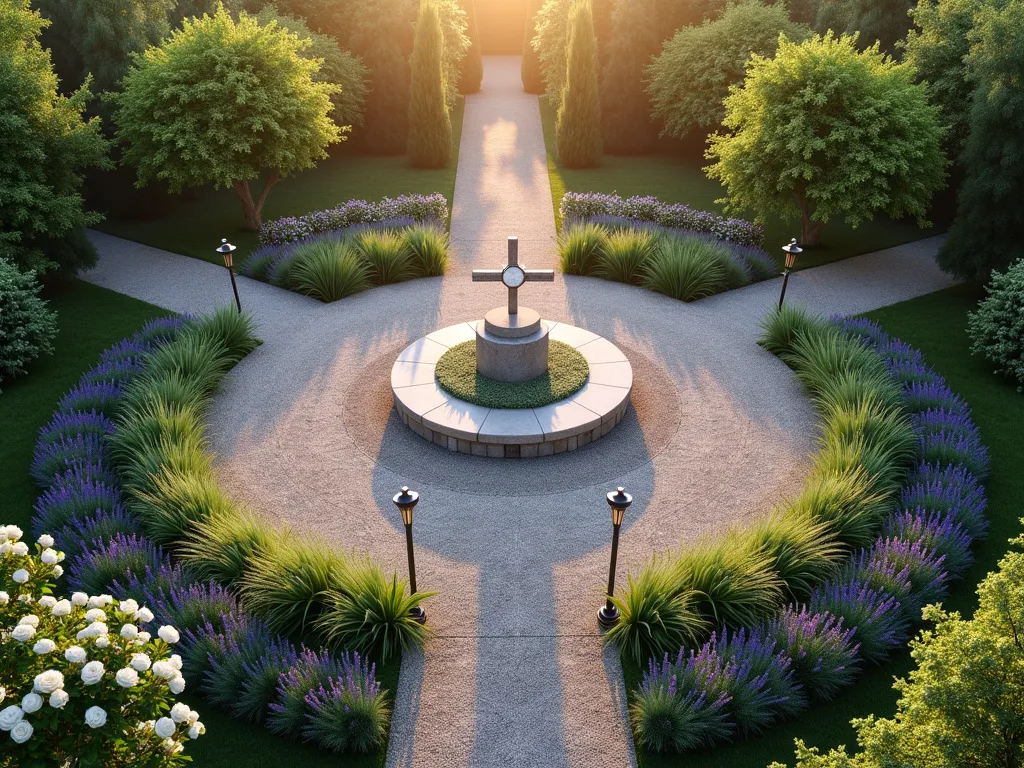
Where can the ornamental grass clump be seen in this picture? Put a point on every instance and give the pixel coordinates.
(781, 326)
(427, 246)
(823, 652)
(802, 551)
(84, 678)
(846, 501)
(581, 247)
(684, 269)
(221, 548)
(625, 255)
(178, 500)
(371, 613)
(386, 258)
(328, 269)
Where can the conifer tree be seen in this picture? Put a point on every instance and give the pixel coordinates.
(472, 65)
(625, 107)
(578, 129)
(530, 67)
(430, 127)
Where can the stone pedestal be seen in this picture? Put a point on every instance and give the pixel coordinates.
(511, 347)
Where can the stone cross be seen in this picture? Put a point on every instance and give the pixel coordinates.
(513, 275)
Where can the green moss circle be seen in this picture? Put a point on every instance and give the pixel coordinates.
(567, 372)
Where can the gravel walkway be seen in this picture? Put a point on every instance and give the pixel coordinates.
(516, 675)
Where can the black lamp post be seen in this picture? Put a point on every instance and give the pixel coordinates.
(226, 250)
(792, 250)
(619, 501)
(406, 502)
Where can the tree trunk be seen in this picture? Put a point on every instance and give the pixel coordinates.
(251, 210)
(810, 230)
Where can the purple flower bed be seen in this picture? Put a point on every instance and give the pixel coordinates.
(868, 608)
(421, 208)
(584, 205)
(231, 657)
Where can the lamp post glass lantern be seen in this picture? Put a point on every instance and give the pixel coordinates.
(792, 251)
(618, 501)
(226, 250)
(406, 502)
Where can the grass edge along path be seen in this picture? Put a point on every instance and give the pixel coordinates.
(196, 221)
(675, 176)
(935, 324)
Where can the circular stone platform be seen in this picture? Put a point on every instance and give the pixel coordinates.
(586, 416)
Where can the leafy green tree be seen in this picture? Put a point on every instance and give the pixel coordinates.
(884, 21)
(27, 326)
(430, 128)
(987, 231)
(108, 32)
(221, 102)
(938, 50)
(824, 130)
(578, 126)
(625, 108)
(337, 66)
(47, 145)
(963, 705)
(690, 78)
(551, 42)
(530, 66)
(472, 64)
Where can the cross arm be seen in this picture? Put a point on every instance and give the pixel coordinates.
(487, 275)
(540, 275)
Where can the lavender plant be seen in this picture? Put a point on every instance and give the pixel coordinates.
(936, 533)
(823, 652)
(876, 617)
(350, 713)
(106, 561)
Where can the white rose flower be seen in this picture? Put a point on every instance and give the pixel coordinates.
(47, 601)
(95, 614)
(59, 698)
(20, 576)
(23, 633)
(193, 717)
(5, 549)
(14, 532)
(140, 662)
(175, 661)
(102, 642)
(95, 717)
(44, 645)
(46, 540)
(4, 598)
(58, 571)
(92, 672)
(164, 727)
(179, 712)
(127, 677)
(171, 747)
(196, 731)
(129, 631)
(31, 619)
(31, 702)
(79, 599)
(49, 556)
(95, 601)
(168, 634)
(176, 684)
(22, 732)
(142, 638)
(61, 608)
(25, 598)
(128, 606)
(21, 548)
(106, 600)
(144, 615)
(75, 654)
(48, 681)
(10, 717)
(163, 669)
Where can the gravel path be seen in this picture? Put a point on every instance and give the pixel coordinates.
(720, 431)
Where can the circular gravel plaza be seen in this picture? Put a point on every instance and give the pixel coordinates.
(590, 375)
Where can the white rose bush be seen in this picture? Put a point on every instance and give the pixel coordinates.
(78, 677)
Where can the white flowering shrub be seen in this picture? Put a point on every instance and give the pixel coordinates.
(83, 680)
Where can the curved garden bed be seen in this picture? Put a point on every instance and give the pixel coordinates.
(773, 618)
(130, 492)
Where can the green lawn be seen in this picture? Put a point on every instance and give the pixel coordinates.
(673, 174)
(90, 319)
(195, 226)
(935, 324)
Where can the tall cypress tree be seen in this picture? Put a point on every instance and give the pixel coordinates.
(986, 234)
(625, 107)
(530, 67)
(430, 127)
(578, 130)
(472, 64)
